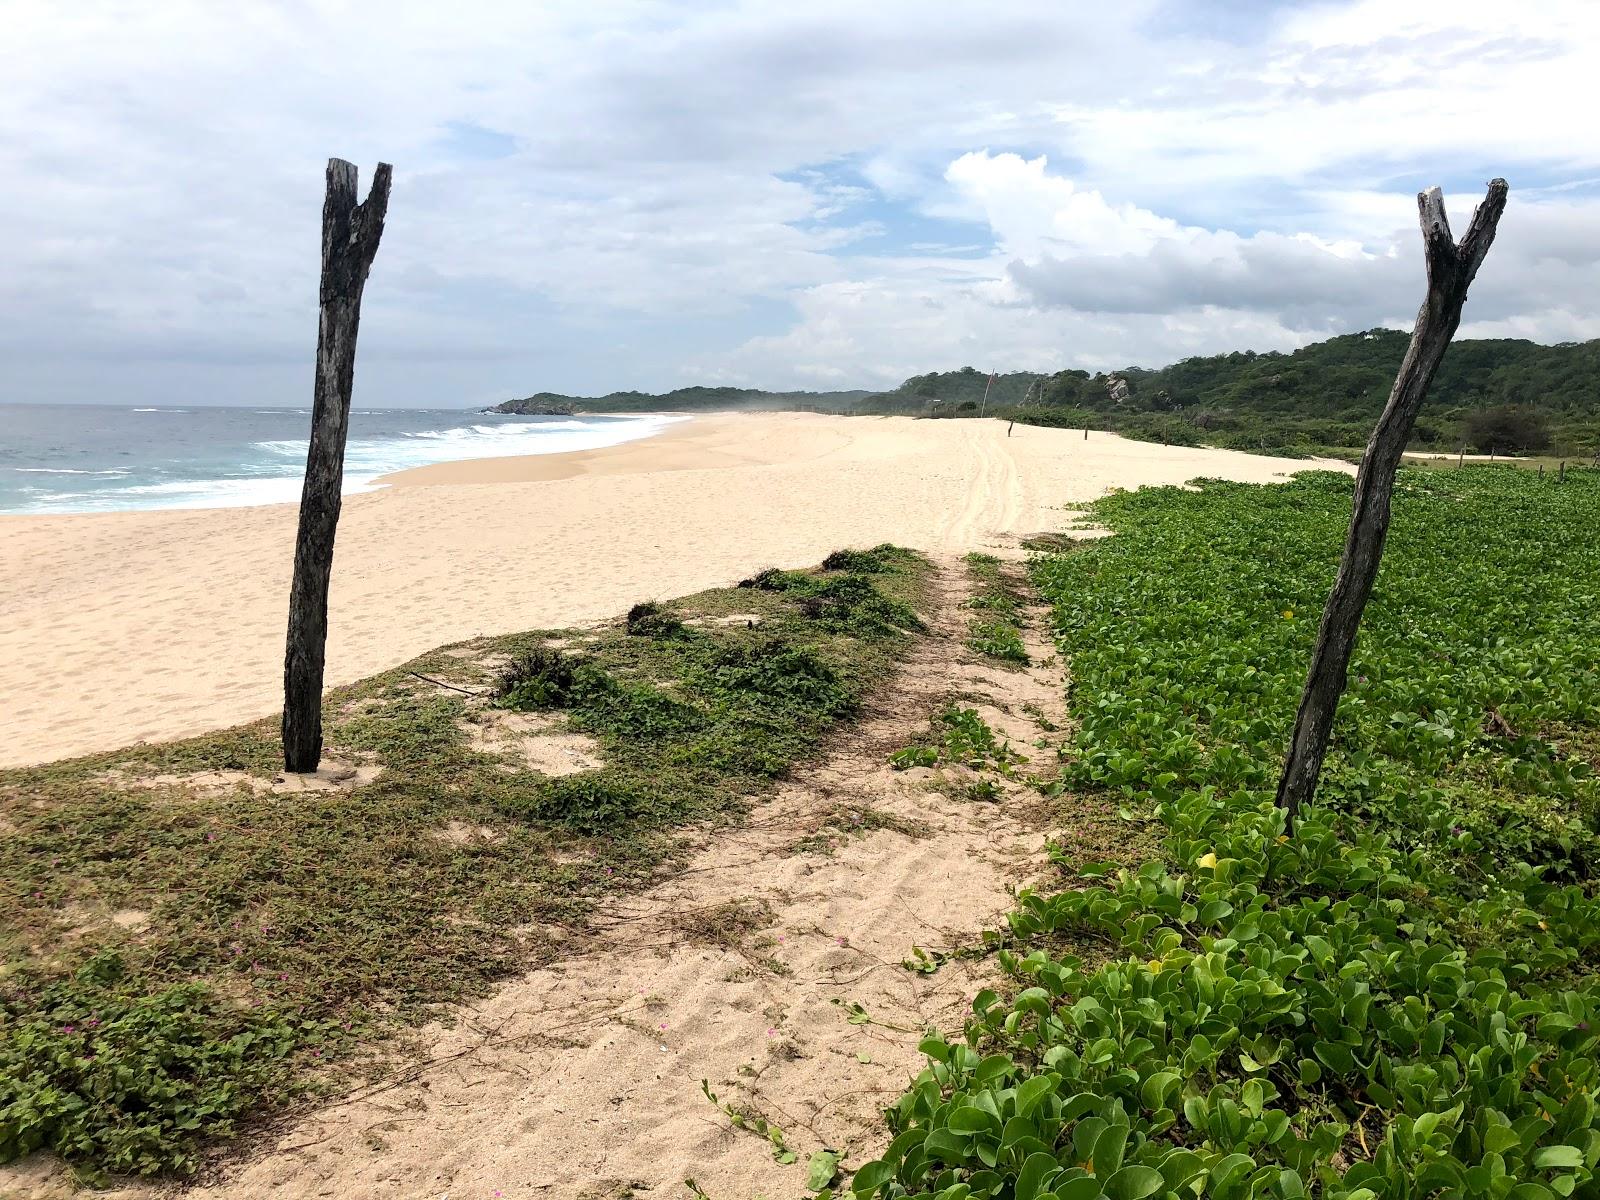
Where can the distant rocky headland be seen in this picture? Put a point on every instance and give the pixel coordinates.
(545, 404)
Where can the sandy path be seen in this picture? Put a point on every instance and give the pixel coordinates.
(128, 626)
(582, 1079)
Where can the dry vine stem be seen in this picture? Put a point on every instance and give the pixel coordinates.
(350, 234)
(1451, 268)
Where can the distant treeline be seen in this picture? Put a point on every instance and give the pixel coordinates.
(1506, 395)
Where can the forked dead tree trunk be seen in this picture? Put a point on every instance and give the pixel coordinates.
(350, 233)
(1451, 268)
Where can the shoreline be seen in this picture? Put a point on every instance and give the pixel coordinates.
(203, 489)
(151, 625)
(702, 442)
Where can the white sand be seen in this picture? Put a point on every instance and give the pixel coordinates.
(580, 1080)
(128, 626)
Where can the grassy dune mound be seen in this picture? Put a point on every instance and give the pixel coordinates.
(186, 936)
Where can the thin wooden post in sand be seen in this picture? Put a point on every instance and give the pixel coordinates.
(350, 234)
(1451, 268)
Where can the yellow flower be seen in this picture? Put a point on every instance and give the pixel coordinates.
(1208, 859)
(1288, 614)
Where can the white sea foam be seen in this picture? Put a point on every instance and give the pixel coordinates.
(61, 471)
(368, 458)
(273, 472)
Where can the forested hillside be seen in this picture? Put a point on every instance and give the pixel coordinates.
(1508, 395)
(1505, 395)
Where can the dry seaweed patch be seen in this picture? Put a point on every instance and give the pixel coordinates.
(773, 972)
(728, 923)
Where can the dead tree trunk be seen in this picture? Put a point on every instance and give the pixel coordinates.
(1451, 268)
(350, 234)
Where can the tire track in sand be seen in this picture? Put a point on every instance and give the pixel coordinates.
(993, 501)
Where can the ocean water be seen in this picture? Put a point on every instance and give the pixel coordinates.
(103, 458)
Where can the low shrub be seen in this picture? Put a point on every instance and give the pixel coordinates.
(1507, 429)
(773, 670)
(597, 801)
(653, 621)
(774, 580)
(876, 561)
(851, 604)
(536, 679)
(631, 709)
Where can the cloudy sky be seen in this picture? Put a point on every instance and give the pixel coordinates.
(598, 194)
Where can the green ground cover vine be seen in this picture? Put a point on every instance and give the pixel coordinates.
(961, 736)
(995, 629)
(181, 949)
(1399, 1001)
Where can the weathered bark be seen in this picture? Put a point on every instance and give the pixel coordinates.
(1451, 268)
(350, 234)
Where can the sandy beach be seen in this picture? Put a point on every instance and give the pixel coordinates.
(122, 627)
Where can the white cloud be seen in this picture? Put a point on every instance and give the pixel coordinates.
(642, 192)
